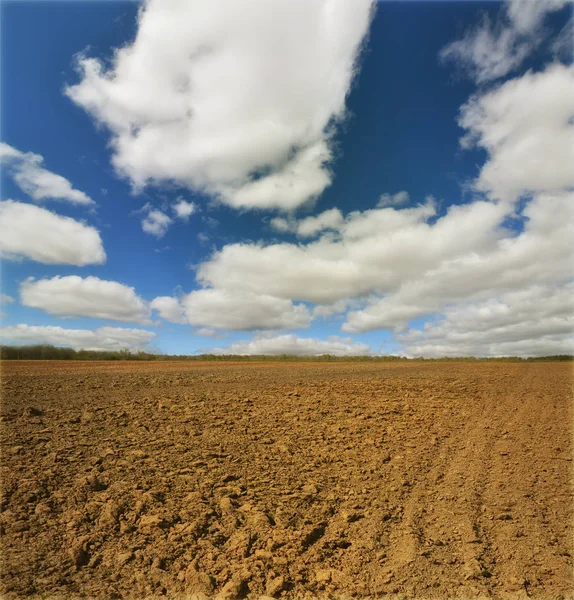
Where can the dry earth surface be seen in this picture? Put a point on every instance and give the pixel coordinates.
(414, 480)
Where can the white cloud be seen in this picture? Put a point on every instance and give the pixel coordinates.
(527, 15)
(302, 178)
(563, 43)
(391, 266)
(330, 219)
(183, 209)
(74, 296)
(309, 226)
(488, 52)
(39, 183)
(282, 225)
(526, 127)
(5, 299)
(373, 251)
(324, 311)
(103, 338)
(393, 199)
(542, 254)
(169, 309)
(209, 332)
(236, 99)
(242, 311)
(493, 50)
(32, 232)
(156, 223)
(292, 344)
(533, 321)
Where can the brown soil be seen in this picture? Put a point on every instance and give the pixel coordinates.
(425, 480)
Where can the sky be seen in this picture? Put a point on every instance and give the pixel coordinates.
(249, 177)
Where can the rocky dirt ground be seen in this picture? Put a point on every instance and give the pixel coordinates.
(414, 480)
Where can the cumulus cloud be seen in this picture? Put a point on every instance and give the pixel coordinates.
(293, 344)
(393, 199)
(325, 311)
(329, 219)
(169, 309)
(283, 225)
(525, 125)
(28, 231)
(183, 209)
(541, 254)
(155, 222)
(533, 321)
(309, 226)
(74, 296)
(103, 338)
(236, 99)
(36, 181)
(397, 265)
(240, 311)
(374, 251)
(492, 50)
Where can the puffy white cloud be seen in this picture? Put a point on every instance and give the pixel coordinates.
(533, 321)
(542, 254)
(526, 127)
(74, 296)
(309, 226)
(330, 219)
(302, 178)
(156, 222)
(39, 183)
(283, 225)
(32, 232)
(293, 344)
(492, 50)
(238, 99)
(393, 199)
(324, 311)
(373, 251)
(103, 338)
(169, 309)
(183, 209)
(240, 311)
(390, 266)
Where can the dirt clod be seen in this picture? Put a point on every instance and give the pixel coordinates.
(275, 585)
(30, 411)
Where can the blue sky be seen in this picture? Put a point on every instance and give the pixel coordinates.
(389, 178)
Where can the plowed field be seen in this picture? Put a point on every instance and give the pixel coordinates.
(420, 480)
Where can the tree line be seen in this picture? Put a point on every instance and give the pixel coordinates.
(48, 352)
